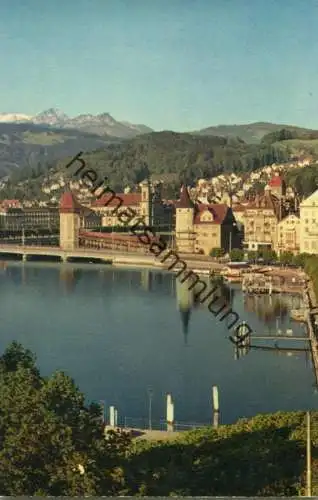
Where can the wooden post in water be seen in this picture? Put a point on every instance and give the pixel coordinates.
(216, 408)
(170, 413)
(112, 416)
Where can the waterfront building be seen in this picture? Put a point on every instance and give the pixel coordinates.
(288, 235)
(308, 209)
(74, 233)
(261, 217)
(14, 219)
(147, 203)
(74, 217)
(70, 221)
(201, 227)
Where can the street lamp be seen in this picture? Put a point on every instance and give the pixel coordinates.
(150, 396)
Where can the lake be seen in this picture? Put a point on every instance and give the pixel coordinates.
(120, 333)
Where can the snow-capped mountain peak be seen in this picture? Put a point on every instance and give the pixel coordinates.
(14, 117)
(101, 124)
(51, 116)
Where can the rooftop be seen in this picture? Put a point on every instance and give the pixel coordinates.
(128, 200)
(185, 200)
(69, 204)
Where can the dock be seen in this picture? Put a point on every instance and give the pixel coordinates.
(254, 283)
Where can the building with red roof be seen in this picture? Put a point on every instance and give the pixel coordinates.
(201, 227)
(147, 204)
(261, 217)
(277, 186)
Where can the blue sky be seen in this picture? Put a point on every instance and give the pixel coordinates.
(170, 64)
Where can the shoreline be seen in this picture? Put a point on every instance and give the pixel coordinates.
(202, 267)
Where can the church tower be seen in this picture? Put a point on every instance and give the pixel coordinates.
(185, 235)
(70, 219)
(146, 202)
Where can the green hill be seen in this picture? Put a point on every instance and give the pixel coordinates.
(252, 133)
(169, 156)
(27, 145)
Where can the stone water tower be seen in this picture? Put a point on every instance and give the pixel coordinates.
(70, 221)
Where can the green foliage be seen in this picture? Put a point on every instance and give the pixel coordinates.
(267, 255)
(311, 268)
(263, 456)
(279, 135)
(252, 255)
(300, 259)
(26, 145)
(237, 255)
(303, 180)
(172, 157)
(253, 133)
(286, 258)
(47, 432)
(217, 252)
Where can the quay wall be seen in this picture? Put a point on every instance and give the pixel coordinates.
(310, 301)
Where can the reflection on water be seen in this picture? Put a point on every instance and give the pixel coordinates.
(119, 331)
(267, 307)
(272, 309)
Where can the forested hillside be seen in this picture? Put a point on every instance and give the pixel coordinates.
(253, 133)
(27, 145)
(169, 156)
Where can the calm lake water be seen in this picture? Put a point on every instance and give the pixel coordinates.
(119, 332)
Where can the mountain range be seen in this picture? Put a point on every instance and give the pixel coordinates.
(101, 124)
(104, 124)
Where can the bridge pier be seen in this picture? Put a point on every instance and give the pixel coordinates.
(24, 257)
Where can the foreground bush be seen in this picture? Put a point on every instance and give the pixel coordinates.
(50, 442)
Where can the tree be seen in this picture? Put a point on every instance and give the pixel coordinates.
(50, 442)
(217, 252)
(267, 255)
(237, 255)
(286, 258)
(300, 260)
(252, 255)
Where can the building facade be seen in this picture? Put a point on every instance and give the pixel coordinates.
(14, 219)
(288, 235)
(147, 204)
(70, 221)
(260, 222)
(202, 227)
(308, 210)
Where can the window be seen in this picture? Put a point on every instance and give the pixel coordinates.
(289, 237)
